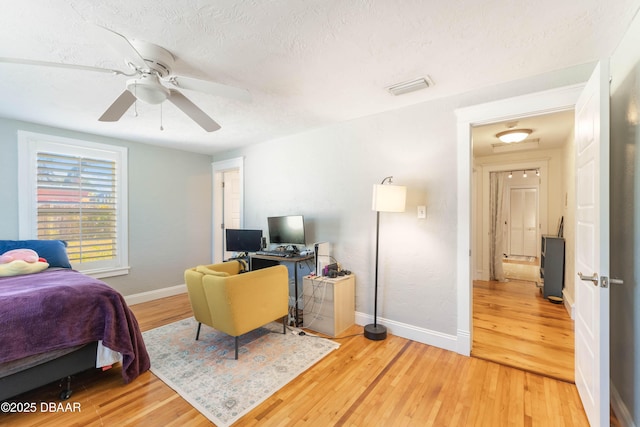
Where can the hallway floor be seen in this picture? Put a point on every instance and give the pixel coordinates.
(515, 326)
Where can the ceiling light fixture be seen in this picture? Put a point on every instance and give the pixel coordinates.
(513, 135)
(410, 86)
(525, 172)
(148, 89)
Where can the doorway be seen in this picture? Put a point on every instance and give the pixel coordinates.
(228, 203)
(512, 323)
(556, 100)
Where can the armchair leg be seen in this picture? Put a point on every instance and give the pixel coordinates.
(237, 338)
(284, 325)
(198, 331)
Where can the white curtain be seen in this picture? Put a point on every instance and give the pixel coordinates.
(497, 220)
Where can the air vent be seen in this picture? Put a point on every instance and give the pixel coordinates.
(410, 86)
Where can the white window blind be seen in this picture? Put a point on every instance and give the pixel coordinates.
(77, 203)
(75, 191)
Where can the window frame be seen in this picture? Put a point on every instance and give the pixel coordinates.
(29, 145)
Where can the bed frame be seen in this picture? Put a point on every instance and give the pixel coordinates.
(61, 368)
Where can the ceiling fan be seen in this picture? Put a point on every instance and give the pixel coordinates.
(150, 65)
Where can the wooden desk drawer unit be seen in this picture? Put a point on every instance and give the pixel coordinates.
(329, 304)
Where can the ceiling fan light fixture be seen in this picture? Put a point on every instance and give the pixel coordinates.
(148, 89)
(513, 135)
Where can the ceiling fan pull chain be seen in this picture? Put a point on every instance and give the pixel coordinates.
(161, 128)
(135, 104)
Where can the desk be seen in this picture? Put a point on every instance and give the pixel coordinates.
(274, 260)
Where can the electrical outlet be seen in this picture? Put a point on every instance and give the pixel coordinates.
(422, 212)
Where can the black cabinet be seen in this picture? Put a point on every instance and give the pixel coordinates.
(552, 266)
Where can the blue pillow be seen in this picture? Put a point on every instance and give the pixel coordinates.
(54, 251)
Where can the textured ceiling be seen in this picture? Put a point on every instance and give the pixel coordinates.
(307, 63)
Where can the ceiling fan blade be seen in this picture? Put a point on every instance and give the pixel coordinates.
(118, 108)
(211, 88)
(60, 65)
(192, 110)
(123, 47)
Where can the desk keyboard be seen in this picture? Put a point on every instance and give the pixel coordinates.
(283, 254)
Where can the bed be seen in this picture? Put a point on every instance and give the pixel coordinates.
(59, 322)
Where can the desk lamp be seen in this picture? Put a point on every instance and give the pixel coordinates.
(386, 198)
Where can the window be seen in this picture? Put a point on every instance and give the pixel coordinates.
(75, 191)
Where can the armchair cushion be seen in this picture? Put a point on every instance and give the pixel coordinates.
(206, 270)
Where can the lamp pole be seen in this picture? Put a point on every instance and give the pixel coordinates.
(375, 304)
(374, 331)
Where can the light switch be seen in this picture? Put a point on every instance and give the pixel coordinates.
(422, 212)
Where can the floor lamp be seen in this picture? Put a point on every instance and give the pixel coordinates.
(386, 198)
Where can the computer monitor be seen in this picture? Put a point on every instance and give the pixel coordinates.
(243, 240)
(286, 230)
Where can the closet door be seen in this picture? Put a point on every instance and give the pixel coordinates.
(523, 213)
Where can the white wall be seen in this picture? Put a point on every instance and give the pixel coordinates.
(327, 175)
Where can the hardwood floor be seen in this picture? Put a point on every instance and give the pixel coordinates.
(515, 326)
(395, 382)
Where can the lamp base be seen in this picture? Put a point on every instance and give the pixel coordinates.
(375, 332)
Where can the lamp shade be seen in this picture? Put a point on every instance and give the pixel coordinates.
(389, 198)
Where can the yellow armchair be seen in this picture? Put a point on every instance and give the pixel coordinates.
(236, 303)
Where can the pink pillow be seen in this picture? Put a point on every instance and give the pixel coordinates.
(27, 255)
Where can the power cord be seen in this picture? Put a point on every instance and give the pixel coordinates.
(300, 332)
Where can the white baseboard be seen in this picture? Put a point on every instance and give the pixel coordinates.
(155, 294)
(620, 409)
(464, 342)
(569, 304)
(414, 333)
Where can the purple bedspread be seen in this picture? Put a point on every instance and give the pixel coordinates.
(63, 308)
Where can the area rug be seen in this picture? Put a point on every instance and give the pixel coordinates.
(223, 389)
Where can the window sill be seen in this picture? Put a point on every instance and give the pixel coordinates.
(106, 272)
